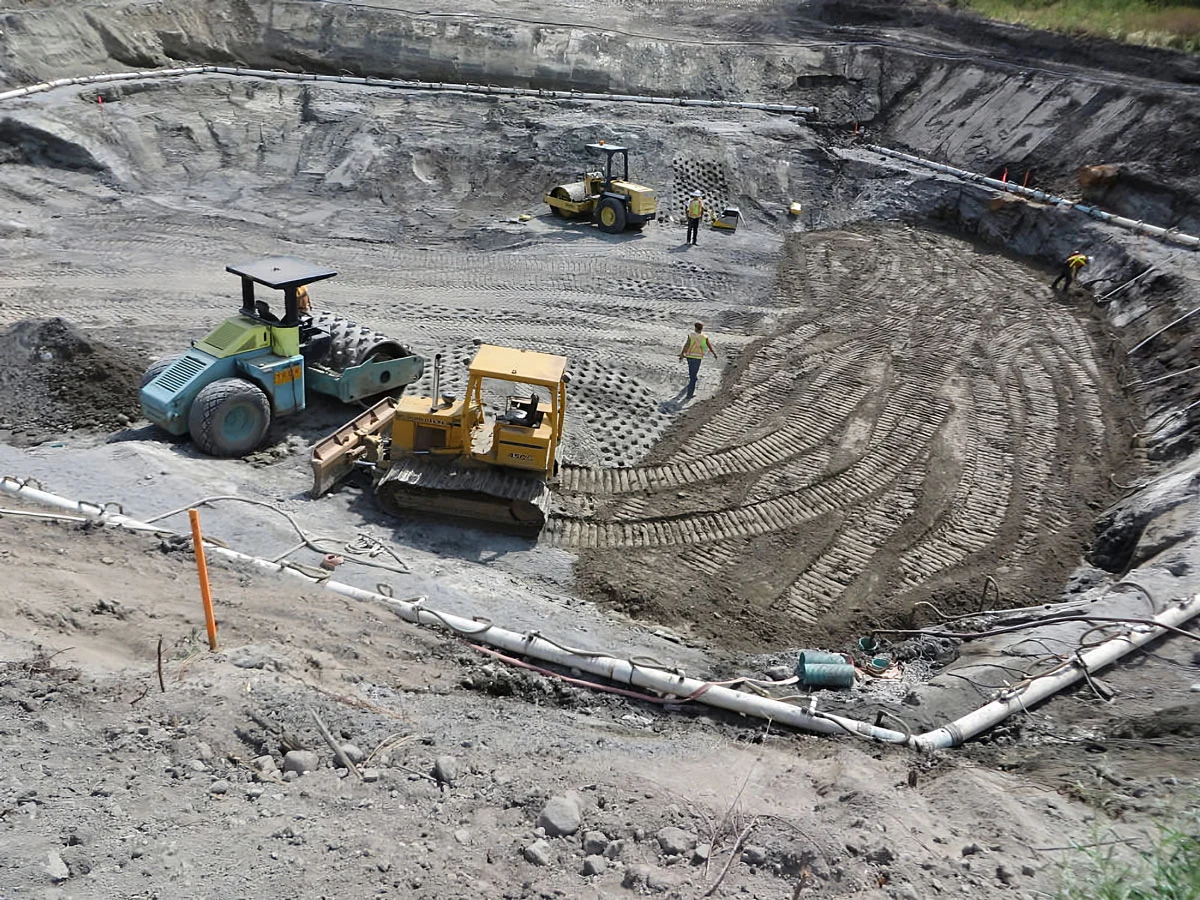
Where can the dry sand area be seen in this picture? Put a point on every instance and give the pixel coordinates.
(905, 427)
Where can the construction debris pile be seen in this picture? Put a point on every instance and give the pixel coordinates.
(54, 380)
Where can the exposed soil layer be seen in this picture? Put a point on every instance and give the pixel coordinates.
(53, 378)
(917, 423)
(126, 785)
(898, 416)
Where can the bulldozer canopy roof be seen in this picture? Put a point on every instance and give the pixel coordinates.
(526, 366)
(281, 271)
(607, 148)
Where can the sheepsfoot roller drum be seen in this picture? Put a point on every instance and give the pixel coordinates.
(260, 364)
(451, 456)
(359, 362)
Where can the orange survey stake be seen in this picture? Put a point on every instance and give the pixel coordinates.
(210, 621)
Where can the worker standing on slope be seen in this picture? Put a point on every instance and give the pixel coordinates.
(694, 348)
(695, 209)
(1071, 267)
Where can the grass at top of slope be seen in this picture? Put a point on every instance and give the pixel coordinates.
(1155, 23)
(1169, 869)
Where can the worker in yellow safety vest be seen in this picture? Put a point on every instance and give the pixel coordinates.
(694, 348)
(695, 209)
(1070, 269)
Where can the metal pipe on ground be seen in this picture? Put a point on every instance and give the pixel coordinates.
(622, 671)
(1130, 283)
(1140, 344)
(628, 672)
(974, 723)
(1165, 234)
(448, 87)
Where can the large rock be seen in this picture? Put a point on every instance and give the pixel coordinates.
(650, 878)
(594, 865)
(675, 841)
(538, 853)
(301, 761)
(560, 817)
(445, 769)
(595, 842)
(56, 868)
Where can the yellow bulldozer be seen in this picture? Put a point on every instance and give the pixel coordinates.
(454, 457)
(613, 203)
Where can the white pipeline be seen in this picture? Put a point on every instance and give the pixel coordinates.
(630, 673)
(621, 671)
(965, 728)
(402, 85)
(1165, 234)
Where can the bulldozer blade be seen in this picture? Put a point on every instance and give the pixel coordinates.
(333, 458)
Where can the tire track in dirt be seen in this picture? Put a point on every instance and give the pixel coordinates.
(917, 421)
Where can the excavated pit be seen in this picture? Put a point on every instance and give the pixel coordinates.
(902, 411)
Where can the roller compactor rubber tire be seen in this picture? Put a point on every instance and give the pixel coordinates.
(229, 417)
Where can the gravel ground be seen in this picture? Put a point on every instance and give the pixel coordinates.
(904, 425)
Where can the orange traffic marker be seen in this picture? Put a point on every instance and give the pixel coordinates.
(210, 621)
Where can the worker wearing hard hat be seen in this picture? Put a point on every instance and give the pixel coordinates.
(694, 350)
(695, 209)
(1070, 269)
(303, 301)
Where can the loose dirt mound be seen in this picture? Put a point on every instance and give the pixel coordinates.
(54, 379)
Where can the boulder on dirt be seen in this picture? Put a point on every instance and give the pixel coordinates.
(651, 878)
(56, 868)
(445, 770)
(675, 841)
(538, 853)
(265, 764)
(594, 865)
(595, 842)
(560, 817)
(301, 761)
(353, 753)
(78, 860)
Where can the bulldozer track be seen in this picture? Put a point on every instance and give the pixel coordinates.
(910, 423)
